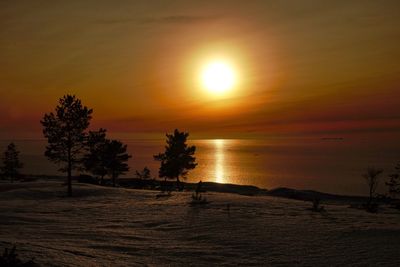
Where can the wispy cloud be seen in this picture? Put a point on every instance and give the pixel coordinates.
(181, 19)
(116, 21)
(174, 19)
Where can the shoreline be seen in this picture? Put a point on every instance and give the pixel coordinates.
(246, 190)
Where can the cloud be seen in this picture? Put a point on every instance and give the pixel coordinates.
(175, 19)
(181, 19)
(115, 21)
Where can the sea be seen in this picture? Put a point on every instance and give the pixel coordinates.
(332, 165)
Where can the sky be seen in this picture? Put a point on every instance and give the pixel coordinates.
(319, 68)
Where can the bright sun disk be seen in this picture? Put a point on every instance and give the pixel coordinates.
(218, 77)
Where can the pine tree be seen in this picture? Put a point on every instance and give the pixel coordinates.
(94, 160)
(65, 131)
(178, 157)
(116, 158)
(11, 162)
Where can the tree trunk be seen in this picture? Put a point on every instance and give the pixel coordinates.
(69, 180)
(370, 197)
(102, 180)
(178, 184)
(69, 173)
(113, 179)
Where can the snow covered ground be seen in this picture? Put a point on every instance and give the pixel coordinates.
(103, 226)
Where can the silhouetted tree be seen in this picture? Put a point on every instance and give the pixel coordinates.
(371, 176)
(94, 160)
(116, 158)
(65, 133)
(143, 174)
(178, 157)
(11, 162)
(394, 182)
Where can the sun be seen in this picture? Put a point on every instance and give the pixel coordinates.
(218, 77)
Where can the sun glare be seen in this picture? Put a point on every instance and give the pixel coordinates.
(218, 77)
(219, 163)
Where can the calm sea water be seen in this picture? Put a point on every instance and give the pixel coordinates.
(326, 165)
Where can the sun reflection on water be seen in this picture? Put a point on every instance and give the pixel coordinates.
(219, 160)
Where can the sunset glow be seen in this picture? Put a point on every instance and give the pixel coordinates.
(256, 70)
(255, 133)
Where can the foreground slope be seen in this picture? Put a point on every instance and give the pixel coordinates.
(103, 226)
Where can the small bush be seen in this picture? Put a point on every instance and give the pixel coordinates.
(317, 205)
(144, 174)
(197, 199)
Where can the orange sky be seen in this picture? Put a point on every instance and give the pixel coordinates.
(305, 67)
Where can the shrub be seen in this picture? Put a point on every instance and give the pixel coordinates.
(372, 176)
(197, 198)
(316, 205)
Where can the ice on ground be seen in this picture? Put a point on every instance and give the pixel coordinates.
(102, 226)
